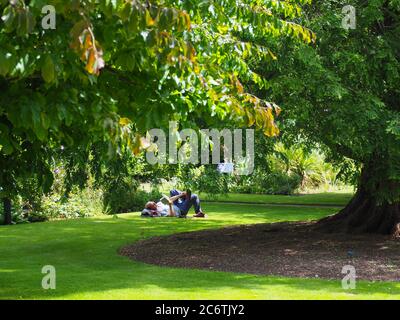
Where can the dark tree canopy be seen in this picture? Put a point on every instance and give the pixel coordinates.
(344, 94)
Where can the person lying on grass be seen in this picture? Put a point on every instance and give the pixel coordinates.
(179, 204)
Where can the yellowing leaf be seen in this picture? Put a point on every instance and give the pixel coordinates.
(90, 65)
(149, 20)
(48, 69)
(124, 121)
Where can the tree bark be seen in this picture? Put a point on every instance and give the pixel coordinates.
(7, 211)
(367, 212)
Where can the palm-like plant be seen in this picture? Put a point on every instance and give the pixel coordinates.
(308, 165)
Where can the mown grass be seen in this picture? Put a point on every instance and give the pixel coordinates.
(84, 253)
(333, 199)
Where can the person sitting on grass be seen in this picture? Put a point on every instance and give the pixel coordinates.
(178, 205)
(184, 201)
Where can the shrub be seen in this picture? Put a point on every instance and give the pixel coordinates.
(124, 198)
(204, 179)
(267, 183)
(207, 179)
(281, 183)
(80, 203)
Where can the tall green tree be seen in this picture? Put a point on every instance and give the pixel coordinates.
(344, 94)
(111, 70)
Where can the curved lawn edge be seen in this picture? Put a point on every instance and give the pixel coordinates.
(278, 249)
(84, 252)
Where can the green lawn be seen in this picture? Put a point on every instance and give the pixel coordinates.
(339, 199)
(84, 253)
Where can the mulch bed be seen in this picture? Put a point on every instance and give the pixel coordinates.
(282, 249)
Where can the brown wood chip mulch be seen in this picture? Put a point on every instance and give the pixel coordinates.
(281, 249)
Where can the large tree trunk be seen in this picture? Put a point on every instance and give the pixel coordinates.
(368, 212)
(7, 211)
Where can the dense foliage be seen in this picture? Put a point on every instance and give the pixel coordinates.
(111, 70)
(344, 96)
